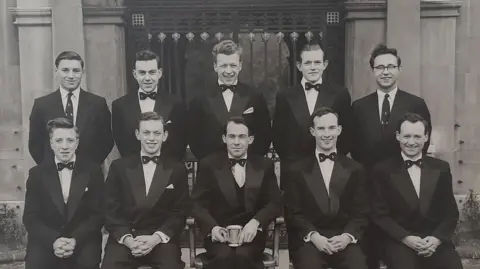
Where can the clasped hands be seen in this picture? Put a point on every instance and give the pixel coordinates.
(248, 233)
(63, 247)
(142, 245)
(330, 245)
(425, 247)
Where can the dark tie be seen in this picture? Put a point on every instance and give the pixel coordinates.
(232, 162)
(385, 110)
(61, 166)
(309, 86)
(151, 95)
(147, 159)
(69, 107)
(322, 157)
(224, 87)
(410, 163)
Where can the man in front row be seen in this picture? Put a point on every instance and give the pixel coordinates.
(414, 205)
(147, 202)
(63, 205)
(326, 204)
(235, 189)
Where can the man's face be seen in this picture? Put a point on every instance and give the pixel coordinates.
(237, 139)
(151, 136)
(326, 131)
(312, 65)
(147, 74)
(228, 67)
(412, 137)
(64, 142)
(386, 71)
(70, 73)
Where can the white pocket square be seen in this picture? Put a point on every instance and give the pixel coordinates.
(248, 111)
(170, 186)
(168, 122)
(86, 189)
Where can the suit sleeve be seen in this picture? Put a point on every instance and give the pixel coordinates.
(356, 148)
(195, 123)
(271, 198)
(345, 114)
(37, 134)
(201, 196)
(93, 225)
(175, 223)
(360, 206)
(423, 111)
(444, 231)
(118, 129)
(177, 132)
(262, 123)
(280, 140)
(381, 210)
(32, 212)
(105, 143)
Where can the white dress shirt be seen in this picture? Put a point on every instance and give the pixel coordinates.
(415, 173)
(228, 95)
(148, 104)
(75, 99)
(239, 171)
(391, 99)
(65, 177)
(311, 95)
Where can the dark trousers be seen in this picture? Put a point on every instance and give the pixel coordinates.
(309, 257)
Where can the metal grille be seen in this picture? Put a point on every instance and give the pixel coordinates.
(138, 20)
(333, 17)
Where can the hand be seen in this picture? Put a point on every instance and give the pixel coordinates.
(219, 234)
(431, 247)
(146, 244)
(249, 231)
(414, 242)
(322, 244)
(340, 242)
(58, 246)
(133, 245)
(69, 247)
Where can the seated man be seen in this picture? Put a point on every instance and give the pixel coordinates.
(63, 205)
(147, 203)
(326, 205)
(414, 203)
(235, 189)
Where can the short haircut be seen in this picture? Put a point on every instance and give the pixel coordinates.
(227, 47)
(413, 118)
(321, 111)
(311, 46)
(60, 123)
(69, 55)
(382, 49)
(151, 115)
(237, 120)
(147, 55)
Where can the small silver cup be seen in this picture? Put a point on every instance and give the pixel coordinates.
(234, 235)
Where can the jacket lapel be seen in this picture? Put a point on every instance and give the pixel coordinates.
(316, 184)
(160, 180)
(240, 101)
(57, 105)
(374, 111)
(253, 182)
(137, 181)
(77, 188)
(338, 181)
(225, 179)
(428, 183)
(52, 182)
(161, 107)
(324, 97)
(83, 110)
(403, 183)
(400, 105)
(218, 107)
(299, 107)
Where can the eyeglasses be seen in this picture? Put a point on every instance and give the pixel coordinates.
(382, 68)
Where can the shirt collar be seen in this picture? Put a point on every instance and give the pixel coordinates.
(73, 159)
(405, 157)
(303, 81)
(392, 93)
(318, 151)
(221, 83)
(231, 157)
(64, 92)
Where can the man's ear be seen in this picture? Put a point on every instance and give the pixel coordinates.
(250, 139)
(397, 135)
(224, 138)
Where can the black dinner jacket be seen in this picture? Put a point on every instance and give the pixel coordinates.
(308, 206)
(93, 121)
(126, 112)
(399, 212)
(215, 199)
(208, 115)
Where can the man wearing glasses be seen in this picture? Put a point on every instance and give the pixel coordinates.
(375, 118)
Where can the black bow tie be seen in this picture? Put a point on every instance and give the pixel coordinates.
(309, 86)
(224, 87)
(147, 159)
(322, 157)
(151, 95)
(61, 166)
(233, 162)
(410, 163)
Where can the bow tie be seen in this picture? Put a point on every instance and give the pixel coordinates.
(224, 87)
(322, 157)
(61, 166)
(309, 86)
(233, 162)
(147, 159)
(151, 95)
(410, 163)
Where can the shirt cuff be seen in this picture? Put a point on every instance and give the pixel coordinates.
(354, 240)
(308, 238)
(122, 239)
(165, 238)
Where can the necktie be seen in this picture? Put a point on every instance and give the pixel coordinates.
(322, 157)
(69, 107)
(224, 87)
(385, 110)
(147, 159)
(309, 86)
(410, 163)
(233, 162)
(151, 95)
(61, 166)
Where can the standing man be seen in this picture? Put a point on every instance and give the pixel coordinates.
(326, 204)
(291, 137)
(234, 187)
(209, 113)
(64, 205)
(127, 109)
(413, 203)
(85, 110)
(147, 203)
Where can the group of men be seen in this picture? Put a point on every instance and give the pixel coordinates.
(389, 201)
